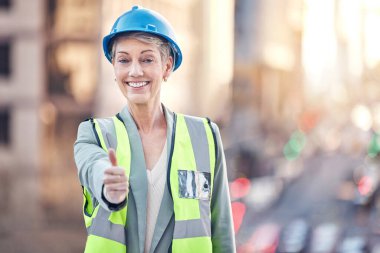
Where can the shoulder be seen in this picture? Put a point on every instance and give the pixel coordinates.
(214, 127)
(196, 119)
(90, 122)
(87, 124)
(193, 121)
(104, 123)
(87, 127)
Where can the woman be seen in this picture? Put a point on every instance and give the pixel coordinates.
(153, 180)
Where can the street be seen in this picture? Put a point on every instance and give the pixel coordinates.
(312, 196)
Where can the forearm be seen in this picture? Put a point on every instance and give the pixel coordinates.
(91, 161)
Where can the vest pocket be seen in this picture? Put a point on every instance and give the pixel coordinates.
(194, 184)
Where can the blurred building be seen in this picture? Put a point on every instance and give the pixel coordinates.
(22, 79)
(268, 71)
(299, 64)
(267, 94)
(53, 75)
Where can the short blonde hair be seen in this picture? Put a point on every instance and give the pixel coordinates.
(163, 46)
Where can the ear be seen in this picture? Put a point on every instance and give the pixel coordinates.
(168, 67)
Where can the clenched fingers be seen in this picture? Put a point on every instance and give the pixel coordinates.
(114, 175)
(112, 179)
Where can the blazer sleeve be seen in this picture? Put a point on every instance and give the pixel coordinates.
(91, 161)
(222, 231)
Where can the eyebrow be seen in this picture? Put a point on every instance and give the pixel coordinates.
(142, 52)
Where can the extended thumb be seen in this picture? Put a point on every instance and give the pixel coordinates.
(112, 157)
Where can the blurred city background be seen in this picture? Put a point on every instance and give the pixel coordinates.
(292, 84)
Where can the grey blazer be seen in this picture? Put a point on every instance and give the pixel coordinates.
(92, 160)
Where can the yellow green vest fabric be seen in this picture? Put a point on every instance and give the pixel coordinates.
(190, 176)
(106, 230)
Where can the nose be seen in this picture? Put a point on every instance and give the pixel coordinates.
(135, 70)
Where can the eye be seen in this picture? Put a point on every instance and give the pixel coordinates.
(148, 60)
(122, 60)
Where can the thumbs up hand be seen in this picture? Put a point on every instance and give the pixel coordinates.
(115, 181)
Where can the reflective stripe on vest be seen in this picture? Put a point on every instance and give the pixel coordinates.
(106, 230)
(192, 168)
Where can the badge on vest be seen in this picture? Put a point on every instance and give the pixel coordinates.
(194, 184)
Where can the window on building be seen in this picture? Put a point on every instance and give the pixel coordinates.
(72, 33)
(5, 126)
(5, 58)
(5, 3)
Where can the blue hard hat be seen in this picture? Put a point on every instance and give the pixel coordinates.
(140, 19)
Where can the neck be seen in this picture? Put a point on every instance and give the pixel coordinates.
(147, 117)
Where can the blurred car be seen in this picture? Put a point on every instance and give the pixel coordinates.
(353, 244)
(376, 248)
(361, 185)
(354, 241)
(263, 193)
(324, 238)
(374, 218)
(239, 188)
(264, 239)
(366, 180)
(294, 237)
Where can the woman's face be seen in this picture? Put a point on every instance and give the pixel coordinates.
(139, 70)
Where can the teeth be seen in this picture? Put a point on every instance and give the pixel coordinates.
(137, 84)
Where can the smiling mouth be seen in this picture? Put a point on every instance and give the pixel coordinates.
(137, 84)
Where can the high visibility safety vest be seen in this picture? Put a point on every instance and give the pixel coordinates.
(190, 176)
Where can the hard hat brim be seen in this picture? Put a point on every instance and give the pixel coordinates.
(107, 41)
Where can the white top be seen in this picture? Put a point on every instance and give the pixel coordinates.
(156, 186)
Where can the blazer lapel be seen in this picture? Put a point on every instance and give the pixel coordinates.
(166, 210)
(138, 177)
